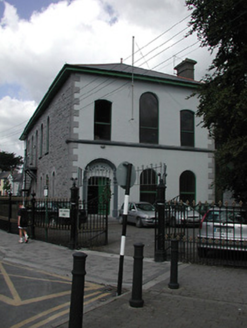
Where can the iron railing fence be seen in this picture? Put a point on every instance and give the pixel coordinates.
(50, 220)
(220, 239)
(206, 233)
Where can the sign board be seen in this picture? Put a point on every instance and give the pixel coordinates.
(121, 175)
(64, 213)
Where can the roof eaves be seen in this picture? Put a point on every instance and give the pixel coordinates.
(167, 79)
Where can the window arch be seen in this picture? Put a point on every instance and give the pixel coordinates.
(187, 186)
(187, 128)
(149, 118)
(102, 120)
(148, 186)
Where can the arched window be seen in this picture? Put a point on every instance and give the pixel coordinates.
(47, 134)
(187, 128)
(149, 118)
(148, 185)
(41, 141)
(187, 186)
(31, 155)
(102, 120)
(36, 148)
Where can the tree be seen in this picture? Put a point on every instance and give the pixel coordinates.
(9, 161)
(6, 186)
(221, 25)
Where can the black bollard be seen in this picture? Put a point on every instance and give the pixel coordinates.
(77, 290)
(174, 265)
(136, 300)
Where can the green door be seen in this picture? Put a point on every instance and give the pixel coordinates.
(104, 194)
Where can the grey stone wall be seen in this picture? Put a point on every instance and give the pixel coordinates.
(56, 162)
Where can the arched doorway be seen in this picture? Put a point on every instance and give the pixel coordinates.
(98, 197)
(99, 184)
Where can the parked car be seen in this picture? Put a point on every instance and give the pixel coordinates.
(139, 213)
(180, 214)
(222, 229)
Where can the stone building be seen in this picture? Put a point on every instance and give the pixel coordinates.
(94, 117)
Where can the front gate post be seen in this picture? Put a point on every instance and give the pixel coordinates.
(160, 252)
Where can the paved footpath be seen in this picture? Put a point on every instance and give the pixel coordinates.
(207, 296)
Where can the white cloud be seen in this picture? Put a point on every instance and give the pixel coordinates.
(87, 31)
(14, 115)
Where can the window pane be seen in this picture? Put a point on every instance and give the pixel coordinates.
(102, 120)
(187, 139)
(103, 114)
(148, 135)
(187, 121)
(187, 128)
(102, 131)
(149, 118)
(149, 110)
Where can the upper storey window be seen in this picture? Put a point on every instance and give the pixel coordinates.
(149, 118)
(187, 128)
(47, 134)
(41, 141)
(102, 120)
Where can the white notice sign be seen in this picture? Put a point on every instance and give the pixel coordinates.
(64, 213)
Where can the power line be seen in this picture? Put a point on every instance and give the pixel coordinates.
(176, 54)
(150, 42)
(163, 44)
(92, 91)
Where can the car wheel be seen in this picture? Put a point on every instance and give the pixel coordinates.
(202, 252)
(173, 222)
(139, 223)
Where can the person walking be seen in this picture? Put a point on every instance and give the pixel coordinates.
(22, 224)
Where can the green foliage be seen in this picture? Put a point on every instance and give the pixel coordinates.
(222, 27)
(9, 161)
(6, 185)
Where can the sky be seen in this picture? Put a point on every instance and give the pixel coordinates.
(38, 37)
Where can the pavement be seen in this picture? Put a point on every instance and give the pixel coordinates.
(35, 281)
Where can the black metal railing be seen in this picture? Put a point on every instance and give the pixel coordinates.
(206, 233)
(52, 220)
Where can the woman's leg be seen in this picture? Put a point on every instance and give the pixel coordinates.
(20, 235)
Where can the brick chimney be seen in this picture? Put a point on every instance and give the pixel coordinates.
(186, 68)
